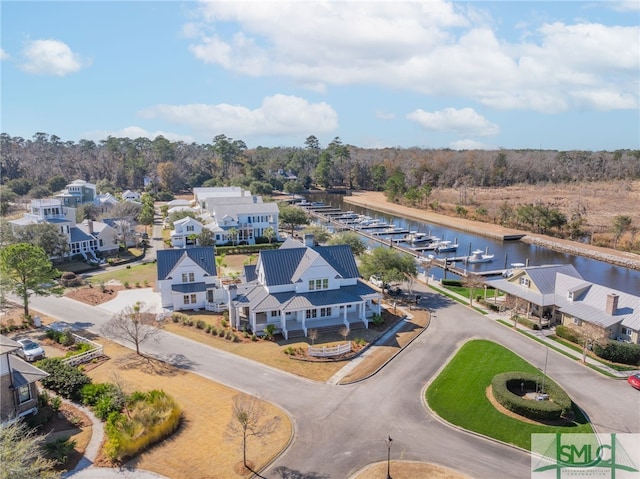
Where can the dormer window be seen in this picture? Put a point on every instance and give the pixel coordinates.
(524, 281)
(570, 295)
(318, 284)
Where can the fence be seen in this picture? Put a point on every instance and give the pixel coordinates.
(96, 352)
(325, 352)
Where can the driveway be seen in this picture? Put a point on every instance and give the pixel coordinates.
(128, 297)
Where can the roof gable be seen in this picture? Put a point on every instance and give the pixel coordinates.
(168, 259)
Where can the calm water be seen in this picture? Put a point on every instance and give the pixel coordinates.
(505, 253)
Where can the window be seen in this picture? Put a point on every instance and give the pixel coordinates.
(275, 313)
(577, 322)
(315, 284)
(627, 331)
(324, 312)
(570, 295)
(190, 299)
(524, 282)
(312, 313)
(188, 277)
(190, 228)
(24, 394)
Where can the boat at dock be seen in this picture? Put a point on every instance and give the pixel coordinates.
(446, 246)
(479, 256)
(416, 238)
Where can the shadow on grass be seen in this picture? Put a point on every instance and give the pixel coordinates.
(168, 365)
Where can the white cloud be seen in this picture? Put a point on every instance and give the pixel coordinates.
(465, 121)
(435, 48)
(135, 132)
(50, 57)
(624, 5)
(4, 55)
(470, 145)
(278, 115)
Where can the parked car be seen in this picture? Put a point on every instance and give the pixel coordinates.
(634, 380)
(376, 281)
(30, 350)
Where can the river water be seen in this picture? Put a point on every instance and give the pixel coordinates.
(505, 253)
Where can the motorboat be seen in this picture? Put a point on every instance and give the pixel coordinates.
(479, 256)
(374, 224)
(416, 238)
(446, 246)
(348, 216)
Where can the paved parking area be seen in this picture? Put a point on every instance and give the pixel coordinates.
(129, 297)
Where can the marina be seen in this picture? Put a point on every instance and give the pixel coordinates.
(507, 249)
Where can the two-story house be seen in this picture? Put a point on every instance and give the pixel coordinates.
(187, 280)
(76, 193)
(184, 232)
(129, 195)
(301, 286)
(85, 239)
(17, 382)
(242, 223)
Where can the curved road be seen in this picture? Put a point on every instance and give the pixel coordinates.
(341, 429)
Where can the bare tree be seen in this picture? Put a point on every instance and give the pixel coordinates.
(250, 420)
(134, 324)
(473, 282)
(513, 303)
(313, 335)
(590, 334)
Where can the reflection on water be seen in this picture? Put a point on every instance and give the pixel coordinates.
(505, 253)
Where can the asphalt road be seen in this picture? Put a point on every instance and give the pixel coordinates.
(341, 429)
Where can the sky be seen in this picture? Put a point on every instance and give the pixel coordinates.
(558, 75)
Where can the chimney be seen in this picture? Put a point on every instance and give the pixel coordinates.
(90, 225)
(308, 241)
(612, 304)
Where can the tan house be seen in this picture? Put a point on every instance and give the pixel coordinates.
(591, 308)
(18, 393)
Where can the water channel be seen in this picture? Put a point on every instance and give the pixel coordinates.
(505, 253)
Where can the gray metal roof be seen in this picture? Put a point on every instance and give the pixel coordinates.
(258, 299)
(234, 209)
(7, 345)
(204, 256)
(543, 277)
(24, 373)
(341, 258)
(250, 273)
(590, 304)
(189, 287)
(280, 265)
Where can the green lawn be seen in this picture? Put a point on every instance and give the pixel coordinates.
(458, 395)
(138, 272)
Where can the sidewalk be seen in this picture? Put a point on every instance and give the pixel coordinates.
(542, 335)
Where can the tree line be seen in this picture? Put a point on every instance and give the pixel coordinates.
(43, 164)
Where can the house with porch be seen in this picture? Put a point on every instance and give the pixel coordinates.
(17, 382)
(187, 280)
(182, 234)
(531, 290)
(300, 287)
(85, 239)
(76, 193)
(593, 310)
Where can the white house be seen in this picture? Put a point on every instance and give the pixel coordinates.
(299, 287)
(85, 239)
(201, 194)
(105, 201)
(183, 230)
(242, 223)
(77, 193)
(187, 280)
(131, 195)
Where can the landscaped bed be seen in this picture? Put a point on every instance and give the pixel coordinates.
(459, 395)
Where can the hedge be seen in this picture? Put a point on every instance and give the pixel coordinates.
(567, 333)
(618, 352)
(452, 282)
(558, 405)
(64, 379)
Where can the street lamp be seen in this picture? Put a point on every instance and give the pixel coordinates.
(389, 441)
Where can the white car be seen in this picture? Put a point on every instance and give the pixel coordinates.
(30, 350)
(376, 281)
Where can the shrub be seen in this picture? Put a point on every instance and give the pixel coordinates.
(618, 352)
(146, 283)
(200, 324)
(221, 332)
(126, 283)
(214, 330)
(91, 393)
(503, 384)
(107, 404)
(452, 282)
(235, 338)
(290, 350)
(567, 333)
(228, 335)
(269, 329)
(137, 284)
(60, 449)
(56, 402)
(64, 379)
(224, 323)
(254, 337)
(150, 417)
(377, 319)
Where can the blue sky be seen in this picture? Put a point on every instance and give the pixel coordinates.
(437, 74)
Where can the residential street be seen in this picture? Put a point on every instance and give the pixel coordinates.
(340, 429)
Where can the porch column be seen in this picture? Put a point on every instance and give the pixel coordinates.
(283, 323)
(304, 323)
(252, 320)
(379, 306)
(361, 309)
(344, 313)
